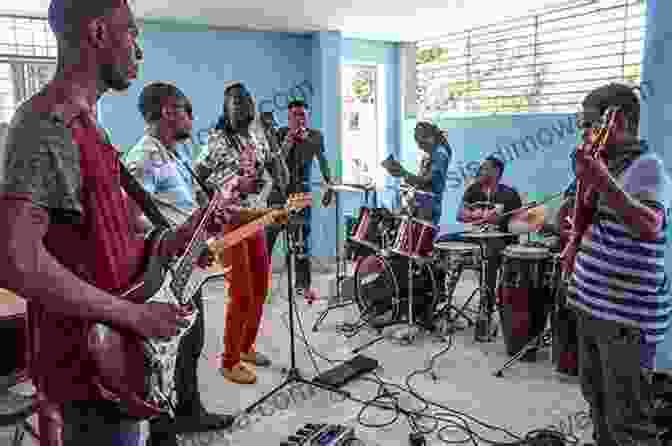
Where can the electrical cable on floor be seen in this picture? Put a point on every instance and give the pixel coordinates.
(452, 419)
(455, 420)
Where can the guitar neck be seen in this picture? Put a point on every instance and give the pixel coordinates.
(237, 235)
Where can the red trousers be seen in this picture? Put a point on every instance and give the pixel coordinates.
(250, 276)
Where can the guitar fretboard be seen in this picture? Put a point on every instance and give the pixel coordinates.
(183, 272)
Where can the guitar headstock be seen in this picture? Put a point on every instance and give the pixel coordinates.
(300, 201)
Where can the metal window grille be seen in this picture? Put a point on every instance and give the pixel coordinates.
(27, 59)
(541, 63)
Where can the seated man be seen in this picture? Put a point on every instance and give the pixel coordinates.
(479, 204)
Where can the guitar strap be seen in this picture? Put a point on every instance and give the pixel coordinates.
(142, 197)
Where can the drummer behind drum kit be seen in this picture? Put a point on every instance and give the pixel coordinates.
(398, 263)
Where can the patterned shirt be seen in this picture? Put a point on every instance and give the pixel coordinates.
(618, 276)
(164, 175)
(226, 156)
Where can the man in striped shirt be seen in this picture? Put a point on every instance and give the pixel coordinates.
(619, 286)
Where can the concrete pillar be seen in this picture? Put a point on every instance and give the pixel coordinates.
(656, 124)
(326, 115)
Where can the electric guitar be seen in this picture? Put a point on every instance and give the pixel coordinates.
(295, 203)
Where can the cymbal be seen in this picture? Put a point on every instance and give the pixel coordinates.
(348, 187)
(487, 234)
(530, 220)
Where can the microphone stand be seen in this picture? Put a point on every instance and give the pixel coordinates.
(293, 373)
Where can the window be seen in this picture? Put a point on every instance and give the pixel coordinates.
(27, 60)
(542, 63)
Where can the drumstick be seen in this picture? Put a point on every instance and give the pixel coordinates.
(531, 205)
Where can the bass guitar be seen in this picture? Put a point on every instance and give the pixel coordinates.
(595, 141)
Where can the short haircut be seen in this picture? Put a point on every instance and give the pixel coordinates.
(294, 103)
(153, 98)
(615, 95)
(499, 164)
(66, 17)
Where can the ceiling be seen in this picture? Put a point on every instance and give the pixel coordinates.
(391, 20)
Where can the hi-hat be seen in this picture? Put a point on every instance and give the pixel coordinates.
(530, 220)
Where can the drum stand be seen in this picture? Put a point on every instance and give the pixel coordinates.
(408, 333)
(543, 339)
(537, 342)
(483, 331)
(340, 274)
(452, 279)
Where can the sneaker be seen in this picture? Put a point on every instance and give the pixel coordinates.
(239, 374)
(255, 358)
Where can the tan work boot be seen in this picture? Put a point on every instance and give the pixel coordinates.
(239, 374)
(255, 358)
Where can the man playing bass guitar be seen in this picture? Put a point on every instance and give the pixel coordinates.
(616, 257)
(67, 244)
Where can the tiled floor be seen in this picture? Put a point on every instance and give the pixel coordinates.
(529, 395)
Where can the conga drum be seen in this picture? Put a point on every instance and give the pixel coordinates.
(13, 335)
(524, 295)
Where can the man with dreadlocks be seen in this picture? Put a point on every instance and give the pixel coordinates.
(618, 285)
(237, 147)
(431, 178)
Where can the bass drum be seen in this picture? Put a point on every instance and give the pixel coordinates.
(382, 289)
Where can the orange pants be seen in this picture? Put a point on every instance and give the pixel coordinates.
(250, 276)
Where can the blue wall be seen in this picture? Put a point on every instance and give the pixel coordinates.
(535, 147)
(274, 66)
(199, 60)
(656, 124)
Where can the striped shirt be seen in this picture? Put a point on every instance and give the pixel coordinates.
(619, 276)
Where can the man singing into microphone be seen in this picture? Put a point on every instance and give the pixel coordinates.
(301, 145)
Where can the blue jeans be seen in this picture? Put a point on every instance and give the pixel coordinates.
(99, 424)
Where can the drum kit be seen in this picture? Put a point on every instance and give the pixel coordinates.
(402, 269)
(401, 274)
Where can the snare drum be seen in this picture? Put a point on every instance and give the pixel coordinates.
(14, 335)
(524, 295)
(451, 255)
(415, 238)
